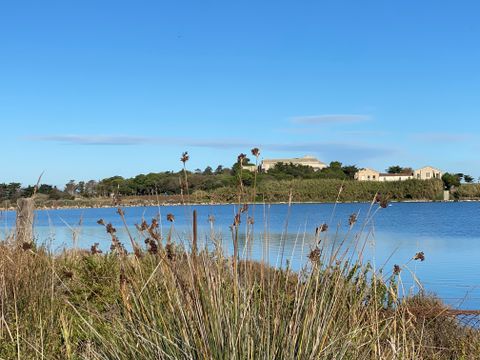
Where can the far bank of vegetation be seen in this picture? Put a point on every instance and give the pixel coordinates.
(284, 182)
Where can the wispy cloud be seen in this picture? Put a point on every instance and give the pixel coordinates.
(330, 119)
(96, 139)
(365, 133)
(442, 137)
(122, 140)
(327, 150)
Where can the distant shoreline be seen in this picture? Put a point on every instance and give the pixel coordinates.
(166, 204)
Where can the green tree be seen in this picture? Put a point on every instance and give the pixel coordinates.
(11, 191)
(208, 171)
(350, 171)
(91, 188)
(28, 191)
(81, 188)
(290, 171)
(45, 189)
(468, 179)
(219, 170)
(451, 180)
(71, 187)
(395, 169)
(337, 165)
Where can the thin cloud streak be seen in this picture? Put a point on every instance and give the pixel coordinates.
(95, 139)
(366, 133)
(442, 137)
(126, 140)
(330, 119)
(331, 150)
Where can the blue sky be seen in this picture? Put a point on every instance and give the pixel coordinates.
(91, 89)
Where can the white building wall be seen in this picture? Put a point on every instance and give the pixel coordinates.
(395, 177)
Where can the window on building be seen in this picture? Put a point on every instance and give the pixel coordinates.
(427, 175)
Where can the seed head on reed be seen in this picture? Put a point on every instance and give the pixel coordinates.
(27, 245)
(185, 157)
(211, 219)
(419, 256)
(352, 219)
(382, 201)
(396, 269)
(152, 230)
(250, 220)
(143, 226)
(256, 152)
(314, 256)
(171, 218)
(237, 220)
(94, 249)
(321, 228)
(154, 224)
(110, 229)
(101, 222)
(118, 246)
(152, 246)
(244, 208)
(240, 158)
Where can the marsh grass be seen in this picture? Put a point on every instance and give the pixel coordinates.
(168, 304)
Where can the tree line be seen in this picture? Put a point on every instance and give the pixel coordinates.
(208, 179)
(169, 182)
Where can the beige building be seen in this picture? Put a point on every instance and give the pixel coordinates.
(305, 161)
(424, 173)
(427, 173)
(367, 175)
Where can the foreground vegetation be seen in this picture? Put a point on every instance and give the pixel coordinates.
(163, 302)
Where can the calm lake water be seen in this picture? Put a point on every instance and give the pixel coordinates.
(448, 234)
